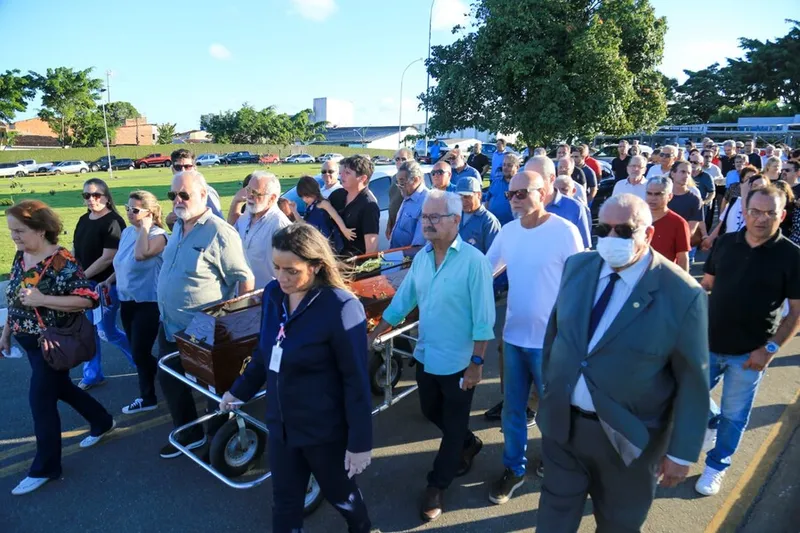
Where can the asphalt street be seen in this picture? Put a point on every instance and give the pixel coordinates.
(123, 485)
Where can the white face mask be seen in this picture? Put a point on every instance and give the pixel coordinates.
(615, 251)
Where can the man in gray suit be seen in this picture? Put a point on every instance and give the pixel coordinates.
(625, 368)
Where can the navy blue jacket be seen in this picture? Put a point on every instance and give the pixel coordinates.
(321, 393)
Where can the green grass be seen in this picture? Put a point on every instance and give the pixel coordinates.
(63, 193)
(135, 152)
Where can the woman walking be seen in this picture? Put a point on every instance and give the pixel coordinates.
(137, 264)
(95, 242)
(47, 285)
(312, 354)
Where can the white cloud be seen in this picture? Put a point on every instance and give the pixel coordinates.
(218, 51)
(316, 10)
(449, 13)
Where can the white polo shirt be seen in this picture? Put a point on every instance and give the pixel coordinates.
(257, 242)
(637, 189)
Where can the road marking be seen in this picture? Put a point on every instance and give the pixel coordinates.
(738, 503)
(118, 433)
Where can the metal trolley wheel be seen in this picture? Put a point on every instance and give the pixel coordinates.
(378, 370)
(235, 447)
(313, 497)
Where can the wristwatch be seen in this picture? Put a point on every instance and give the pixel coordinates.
(772, 347)
(476, 359)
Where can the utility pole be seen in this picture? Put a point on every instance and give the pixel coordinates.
(109, 73)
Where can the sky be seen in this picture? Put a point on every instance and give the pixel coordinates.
(176, 59)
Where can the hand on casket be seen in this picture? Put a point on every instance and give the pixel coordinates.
(355, 463)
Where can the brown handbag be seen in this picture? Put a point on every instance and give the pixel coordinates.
(66, 347)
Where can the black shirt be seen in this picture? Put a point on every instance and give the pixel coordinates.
(726, 164)
(755, 160)
(362, 214)
(478, 161)
(578, 176)
(92, 236)
(619, 167)
(750, 285)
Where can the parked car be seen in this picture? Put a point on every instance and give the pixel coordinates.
(12, 170)
(300, 158)
(73, 166)
(97, 164)
(31, 165)
(207, 160)
(604, 191)
(379, 185)
(608, 152)
(269, 159)
(239, 158)
(119, 164)
(153, 160)
(382, 160)
(330, 157)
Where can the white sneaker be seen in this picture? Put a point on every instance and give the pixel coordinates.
(91, 441)
(710, 482)
(29, 484)
(710, 440)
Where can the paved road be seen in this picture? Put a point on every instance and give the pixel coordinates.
(122, 485)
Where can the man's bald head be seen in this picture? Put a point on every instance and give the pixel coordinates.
(566, 166)
(526, 179)
(527, 193)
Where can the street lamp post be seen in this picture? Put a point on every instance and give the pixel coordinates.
(361, 135)
(400, 119)
(428, 84)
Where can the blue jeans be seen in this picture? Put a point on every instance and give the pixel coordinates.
(106, 330)
(521, 367)
(730, 419)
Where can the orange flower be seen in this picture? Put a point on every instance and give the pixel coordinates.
(31, 279)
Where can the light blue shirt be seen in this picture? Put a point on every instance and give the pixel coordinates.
(497, 165)
(732, 177)
(497, 202)
(136, 280)
(407, 229)
(575, 212)
(456, 306)
(466, 172)
(479, 229)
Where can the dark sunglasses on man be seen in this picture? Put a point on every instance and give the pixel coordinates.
(623, 231)
(95, 195)
(179, 168)
(331, 172)
(183, 195)
(520, 194)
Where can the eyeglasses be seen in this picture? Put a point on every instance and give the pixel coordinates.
(695, 163)
(435, 218)
(403, 182)
(520, 194)
(666, 154)
(623, 231)
(438, 172)
(331, 172)
(178, 168)
(752, 212)
(255, 194)
(95, 195)
(183, 195)
(134, 210)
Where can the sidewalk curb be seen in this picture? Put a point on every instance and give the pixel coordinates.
(735, 508)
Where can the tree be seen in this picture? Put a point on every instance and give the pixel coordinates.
(166, 133)
(67, 94)
(15, 92)
(761, 108)
(551, 70)
(701, 95)
(118, 112)
(250, 126)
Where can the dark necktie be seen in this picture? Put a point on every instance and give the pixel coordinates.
(602, 302)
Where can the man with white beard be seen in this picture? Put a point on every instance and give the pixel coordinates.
(260, 221)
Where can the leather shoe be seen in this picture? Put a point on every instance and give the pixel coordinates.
(431, 504)
(468, 455)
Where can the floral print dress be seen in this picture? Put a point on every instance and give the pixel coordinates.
(63, 277)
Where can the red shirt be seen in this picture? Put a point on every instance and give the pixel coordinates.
(594, 165)
(671, 236)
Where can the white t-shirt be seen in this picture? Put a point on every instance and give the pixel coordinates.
(735, 220)
(655, 172)
(625, 186)
(327, 192)
(534, 260)
(713, 171)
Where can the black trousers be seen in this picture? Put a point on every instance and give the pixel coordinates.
(588, 465)
(48, 386)
(291, 468)
(140, 322)
(446, 405)
(179, 397)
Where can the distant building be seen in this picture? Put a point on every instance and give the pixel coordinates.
(192, 136)
(36, 129)
(337, 113)
(484, 136)
(381, 137)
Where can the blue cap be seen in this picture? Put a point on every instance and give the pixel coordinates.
(468, 185)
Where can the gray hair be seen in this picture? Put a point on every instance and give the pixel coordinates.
(642, 159)
(406, 152)
(451, 199)
(729, 142)
(564, 178)
(512, 157)
(412, 169)
(196, 175)
(543, 165)
(672, 148)
(273, 184)
(640, 211)
(742, 157)
(666, 181)
(772, 159)
(539, 151)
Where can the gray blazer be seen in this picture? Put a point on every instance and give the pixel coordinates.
(648, 370)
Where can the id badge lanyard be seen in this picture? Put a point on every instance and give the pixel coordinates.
(277, 351)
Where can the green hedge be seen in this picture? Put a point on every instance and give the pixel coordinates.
(135, 152)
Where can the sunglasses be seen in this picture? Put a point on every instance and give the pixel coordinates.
(178, 168)
(520, 194)
(665, 154)
(183, 195)
(95, 195)
(331, 172)
(134, 210)
(623, 231)
(437, 172)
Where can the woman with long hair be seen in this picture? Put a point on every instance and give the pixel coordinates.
(732, 219)
(136, 268)
(47, 288)
(312, 354)
(95, 242)
(321, 214)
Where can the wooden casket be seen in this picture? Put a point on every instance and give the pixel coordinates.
(219, 342)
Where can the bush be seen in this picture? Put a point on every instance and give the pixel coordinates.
(6, 202)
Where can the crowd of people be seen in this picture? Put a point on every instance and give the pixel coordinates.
(573, 316)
